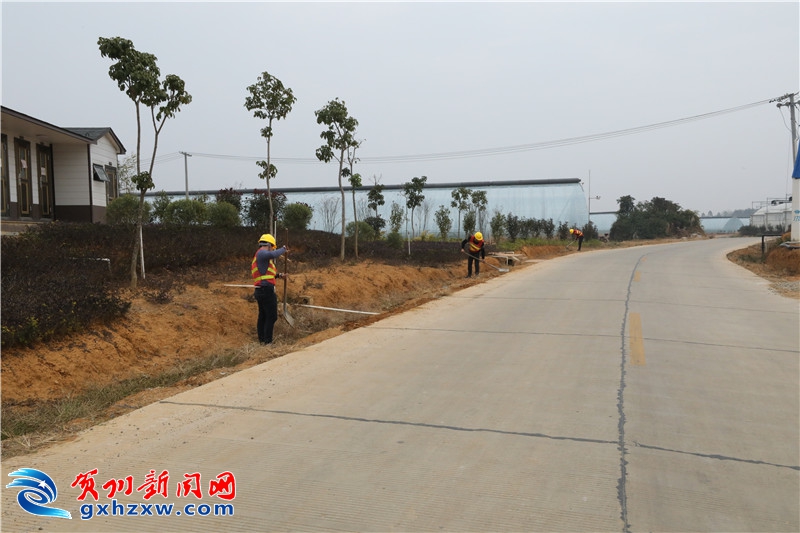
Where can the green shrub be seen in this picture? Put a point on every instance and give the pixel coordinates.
(365, 231)
(297, 216)
(377, 224)
(223, 215)
(395, 240)
(185, 212)
(160, 205)
(124, 211)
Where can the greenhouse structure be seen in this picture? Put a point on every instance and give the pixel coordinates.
(774, 213)
(562, 200)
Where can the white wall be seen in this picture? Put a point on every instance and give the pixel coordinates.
(71, 175)
(104, 154)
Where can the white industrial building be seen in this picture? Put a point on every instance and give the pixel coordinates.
(773, 214)
(562, 200)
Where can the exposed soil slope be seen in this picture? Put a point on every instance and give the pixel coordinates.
(201, 319)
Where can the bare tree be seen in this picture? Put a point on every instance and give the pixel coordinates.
(328, 209)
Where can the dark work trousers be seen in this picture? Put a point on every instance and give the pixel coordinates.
(470, 259)
(267, 312)
(580, 242)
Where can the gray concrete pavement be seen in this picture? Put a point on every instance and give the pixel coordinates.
(520, 404)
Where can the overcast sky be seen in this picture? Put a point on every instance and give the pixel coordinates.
(436, 78)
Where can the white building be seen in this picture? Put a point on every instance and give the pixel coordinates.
(775, 214)
(562, 200)
(55, 173)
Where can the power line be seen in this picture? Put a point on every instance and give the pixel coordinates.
(488, 152)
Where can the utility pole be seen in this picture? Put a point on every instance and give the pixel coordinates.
(589, 186)
(795, 235)
(186, 170)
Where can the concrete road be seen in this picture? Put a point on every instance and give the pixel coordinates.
(653, 388)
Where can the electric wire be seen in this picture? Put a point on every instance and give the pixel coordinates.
(484, 152)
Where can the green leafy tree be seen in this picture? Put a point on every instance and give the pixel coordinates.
(563, 231)
(269, 100)
(261, 204)
(627, 205)
(513, 226)
(138, 76)
(479, 202)
(443, 221)
(548, 228)
(396, 217)
(498, 225)
(375, 197)
(590, 231)
(461, 198)
(412, 190)
(651, 220)
(376, 223)
(297, 216)
(469, 222)
(339, 137)
(231, 196)
(160, 205)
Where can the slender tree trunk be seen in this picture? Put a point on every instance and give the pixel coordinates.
(341, 189)
(272, 225)
(355, 216)
(136, 242)
(134, 257)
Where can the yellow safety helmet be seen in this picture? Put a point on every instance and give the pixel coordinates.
(479, 236)
(571, 230)
(266, 239)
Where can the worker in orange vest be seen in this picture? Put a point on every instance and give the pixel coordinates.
(578, 235)
(473, 246)
(264, 273)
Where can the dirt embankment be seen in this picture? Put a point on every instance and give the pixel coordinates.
(200, 320)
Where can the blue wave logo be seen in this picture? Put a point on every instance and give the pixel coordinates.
(38, 490)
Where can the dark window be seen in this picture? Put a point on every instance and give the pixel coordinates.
(44, 156)
(6, 199)
(112, 185)
(22, 155)
(100, 173)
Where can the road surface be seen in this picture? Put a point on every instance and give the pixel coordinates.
(653, 388)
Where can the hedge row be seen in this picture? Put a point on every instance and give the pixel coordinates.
(62, 278)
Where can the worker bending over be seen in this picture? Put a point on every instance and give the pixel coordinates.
(577, 235)
(473, 246)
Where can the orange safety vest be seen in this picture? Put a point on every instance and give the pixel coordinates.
(578, 233)
(272, 271)
(474, 246)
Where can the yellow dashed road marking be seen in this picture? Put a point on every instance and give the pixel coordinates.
(636, 339)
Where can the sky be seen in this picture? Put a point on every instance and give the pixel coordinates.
(634, 98)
